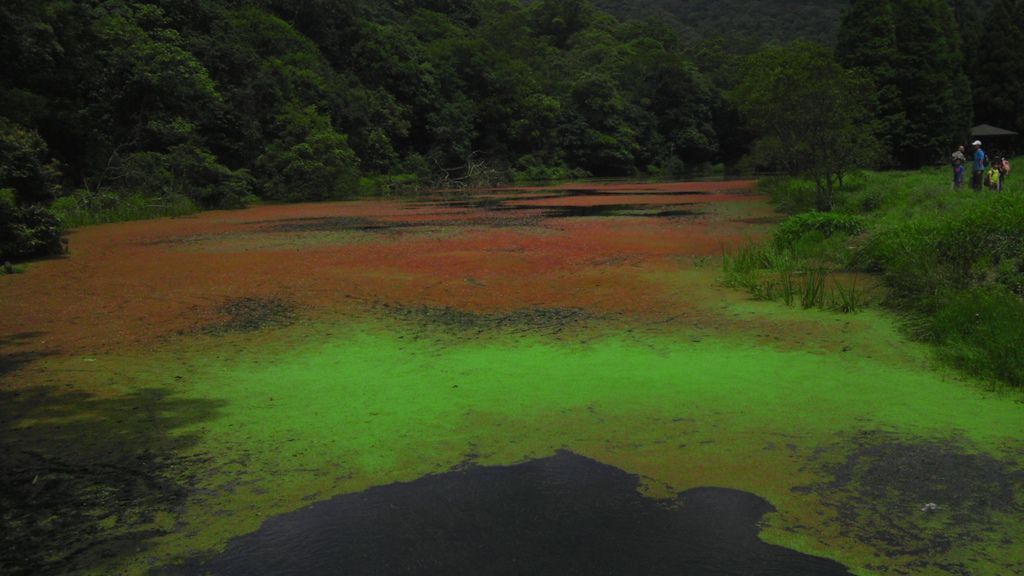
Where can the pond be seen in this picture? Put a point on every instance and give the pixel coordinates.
(510, 380)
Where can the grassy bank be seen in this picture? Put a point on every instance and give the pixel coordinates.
(82, 210)
(950, 262)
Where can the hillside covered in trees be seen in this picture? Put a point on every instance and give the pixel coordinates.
(294, 99)
(107, 104)
(758, 20)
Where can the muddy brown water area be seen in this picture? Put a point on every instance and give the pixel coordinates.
(565, 514)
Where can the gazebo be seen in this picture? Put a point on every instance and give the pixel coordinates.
(1005, 140)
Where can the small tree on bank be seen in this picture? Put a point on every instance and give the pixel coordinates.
(811, 115)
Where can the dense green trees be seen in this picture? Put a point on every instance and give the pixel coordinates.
(220, 99)
(214, 102)
(998, 66)
(776, 21)
(911, 50)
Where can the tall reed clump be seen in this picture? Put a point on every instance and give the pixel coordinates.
(800, 264)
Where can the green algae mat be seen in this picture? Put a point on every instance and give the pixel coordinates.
(177, 385)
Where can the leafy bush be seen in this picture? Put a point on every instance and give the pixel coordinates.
(187, 171)
(531, 169)
(827, 224)
(24, 167)
(27, 231)
(389, 184)
(670, 166)
(790, 195)
(928, 256)
(309, 161)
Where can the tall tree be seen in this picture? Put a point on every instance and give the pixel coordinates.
(999, 67)
(867, 41)
(968, 15)
(812, 116)
(911, 50)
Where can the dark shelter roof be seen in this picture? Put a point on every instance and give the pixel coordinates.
(990, 131)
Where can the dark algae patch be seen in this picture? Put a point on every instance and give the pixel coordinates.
(85, 477)
(565, 514)
(251, 314)
(372, 225)
(333, 224)
(547, 321)
(919, 498)
(615, 210)
(493, 213)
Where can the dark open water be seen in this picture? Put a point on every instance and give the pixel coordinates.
(560, 515)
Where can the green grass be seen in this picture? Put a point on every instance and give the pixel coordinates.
(981, 331)
(952, 260)
(79, 210)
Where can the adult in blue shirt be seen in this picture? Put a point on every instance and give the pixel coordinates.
(979, 166)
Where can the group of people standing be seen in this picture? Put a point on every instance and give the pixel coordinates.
(986, 172)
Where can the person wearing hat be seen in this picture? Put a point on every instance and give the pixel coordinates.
(979, 166)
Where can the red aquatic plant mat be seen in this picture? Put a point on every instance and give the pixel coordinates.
(128, 285)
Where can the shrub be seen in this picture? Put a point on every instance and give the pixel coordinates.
(953, 261)
(670, 166)
(308, 161)
(790, 195)
(932, 254)
(185, 171)
(27, 231)
(531, 169)
(389, 184)
(24, 167)
(827, 224)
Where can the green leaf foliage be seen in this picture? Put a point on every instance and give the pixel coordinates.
(911, 51)
(998, 67)
(811, 115)
(308, 160)
(190, 100)
(24, 166)
(27, 231)
(776, 21)
(827, 224)
(213, 99)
